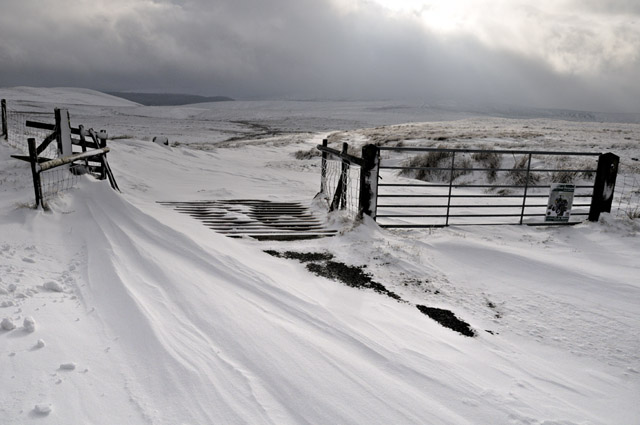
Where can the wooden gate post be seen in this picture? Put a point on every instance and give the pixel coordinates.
(344, 177)
(102, 142)
(323, 170)
(369, 181)
(604, 185)
(340, 197)
(63, 132)
(33, 159)
(5, 128)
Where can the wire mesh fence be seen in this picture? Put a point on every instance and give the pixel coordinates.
(628, 197)
(18, 132)
(342, 185)
(58, 180)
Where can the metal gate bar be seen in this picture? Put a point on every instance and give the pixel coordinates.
(529, 188)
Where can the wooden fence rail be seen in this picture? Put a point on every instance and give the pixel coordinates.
(89, 155)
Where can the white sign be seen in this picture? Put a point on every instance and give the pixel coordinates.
(560, 202)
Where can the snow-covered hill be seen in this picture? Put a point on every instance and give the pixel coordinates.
(63, 96)
(118, 310)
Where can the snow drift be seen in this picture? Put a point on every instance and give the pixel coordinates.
(125, 311)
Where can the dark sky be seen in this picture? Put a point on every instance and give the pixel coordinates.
(581, 54)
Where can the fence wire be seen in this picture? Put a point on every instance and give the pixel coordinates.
(628, 194)
(53, 181)
(350, 181)
(57, 180)
(18, 133)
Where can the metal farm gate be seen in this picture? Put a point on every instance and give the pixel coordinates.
(412, 187)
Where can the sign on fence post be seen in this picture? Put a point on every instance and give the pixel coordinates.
(560, 202)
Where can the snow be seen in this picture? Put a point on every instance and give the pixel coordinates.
(62, 95)
(53, 286)
(7, 324)
(150, 317)
(68, 366)
(42, 409)
(29, 324)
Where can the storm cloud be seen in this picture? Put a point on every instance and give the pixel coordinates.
(563, 53)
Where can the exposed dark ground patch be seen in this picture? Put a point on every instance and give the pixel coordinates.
(257, 131)
(303, 257)
(352, 276)
(447, 319)
(493, 307)
(322, 264)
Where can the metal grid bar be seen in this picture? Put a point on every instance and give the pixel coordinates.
(468, 215)
(498, 151)
(478, 186)
(435, 226)
(510, 170)
(475, 196)
(475, 206)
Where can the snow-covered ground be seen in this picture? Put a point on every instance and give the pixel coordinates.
(118, 310)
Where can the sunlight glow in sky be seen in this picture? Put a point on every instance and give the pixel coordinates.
(587, 49)
(550, 31)
(439, 16)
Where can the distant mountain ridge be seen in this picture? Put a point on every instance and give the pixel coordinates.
(168, 99)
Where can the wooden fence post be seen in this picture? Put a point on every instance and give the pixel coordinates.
(5, 128)
(369, 181)
(102, 142)
(340, 197)
(323, 170)
(33, 159)
(63, 132)
(604, 185)
(344, 177)
(83, 145)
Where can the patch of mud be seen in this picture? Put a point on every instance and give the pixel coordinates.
(323, 264)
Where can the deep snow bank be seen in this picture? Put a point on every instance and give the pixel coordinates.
(165, 324)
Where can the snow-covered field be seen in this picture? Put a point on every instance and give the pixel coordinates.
(118, 310)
